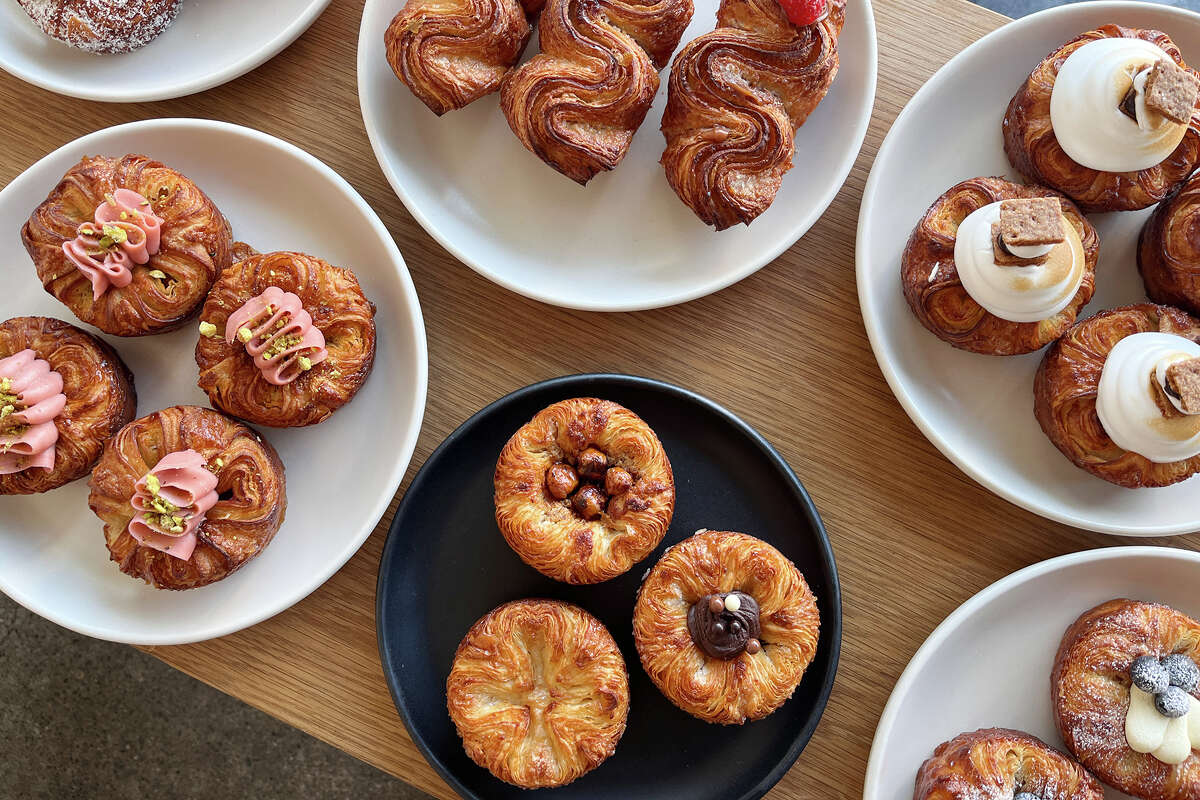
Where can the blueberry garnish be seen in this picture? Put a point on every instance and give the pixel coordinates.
(1172, 702)
(1182, 671)
(1149, 675)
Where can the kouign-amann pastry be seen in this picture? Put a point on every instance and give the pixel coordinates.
(63, 394)
(725, 626)
(103, 26)
(1000, 762)
(1111, 394)
(584, 491)
(286, 339)
(539, 693)
(187, 496)
(1108, 119)
(1124, 688)
(998, 268)
(1168, 253)
(128, 244)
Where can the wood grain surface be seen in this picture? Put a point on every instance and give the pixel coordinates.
(785, 349)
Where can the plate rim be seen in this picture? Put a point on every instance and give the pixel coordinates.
(405, 448)
(814, 214)
(871, 206)
(825, 546)
(980, 599)
(229, 72)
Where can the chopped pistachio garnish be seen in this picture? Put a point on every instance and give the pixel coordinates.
(305, 363)
(124, 215)
(245, 334)
(220, 462)
(113, 235)
(335, 373)
(6, 410)
(207, 329)
(280, 344)
(158, 273)
(112, 201)
(152, 483)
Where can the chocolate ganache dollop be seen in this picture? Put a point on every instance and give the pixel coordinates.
(725, 625)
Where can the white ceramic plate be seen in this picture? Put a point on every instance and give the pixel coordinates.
(210, 42)
(341, 474)
(625, 241)
(988, 664)
(978, 410)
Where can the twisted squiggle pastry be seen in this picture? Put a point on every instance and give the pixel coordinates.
(735, 99)
(1169, 250)
(577, 104)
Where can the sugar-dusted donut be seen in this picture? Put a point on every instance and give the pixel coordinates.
(103, 26)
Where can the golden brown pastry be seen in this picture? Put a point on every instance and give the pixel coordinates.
(735, 99)
(934, 288)
(584, 491)
(1067, 398)
(725, 626)
(103, 26)
(55, 416)
(187, 496)
(128, 244)
(999, 762)
(577, 104)
(452, 52)
(1038, 154)
(1124, 689)
(286, 339)
(1169, 250)
(538, 692)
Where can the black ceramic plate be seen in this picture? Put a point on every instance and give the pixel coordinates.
(445, 565)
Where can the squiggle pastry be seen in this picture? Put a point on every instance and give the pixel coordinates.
(278, 334)
(577, 104)
(171, 501)
(125, 232)
(1169, 250)
(31, 397)
(735, 99)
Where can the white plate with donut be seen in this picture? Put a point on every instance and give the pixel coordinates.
(978, 410)
(210, 42)
(625, 241)
(340, 475)
(988, 664)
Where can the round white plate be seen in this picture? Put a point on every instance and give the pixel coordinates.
(625, 241)
(978, 410)
(988, 664)
(341, 474)
(210, 42)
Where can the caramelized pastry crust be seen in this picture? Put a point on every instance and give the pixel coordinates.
(999, 762)
(735, 99)
(339, 310)
(750, 685)
(1064, 395)
(250, 485)
(1034, 151)
(588, 529)
(195, 245)
(539, 693)
(100, 397)
(577, 104)
(103, 26)
(936, 295)
(1169, 250)
(1090, 687)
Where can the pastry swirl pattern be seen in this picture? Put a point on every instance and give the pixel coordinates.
(1168, 253)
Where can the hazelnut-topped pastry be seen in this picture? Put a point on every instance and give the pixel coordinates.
(1168, 253)
(998, 268)
(1000, 762)
(1124, 689)
(187, 496)
(1109, 119)
(584, 491)
(128, 244)
(725, 626)
(63, 394)
(286, 339)
(1119, 395)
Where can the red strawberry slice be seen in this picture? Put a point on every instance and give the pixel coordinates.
(803, 12)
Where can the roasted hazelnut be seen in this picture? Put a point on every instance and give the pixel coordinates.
(588, 502)
(592, 463)
(617, 481)
(561, 480)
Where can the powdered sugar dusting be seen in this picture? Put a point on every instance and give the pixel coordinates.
(103, 26)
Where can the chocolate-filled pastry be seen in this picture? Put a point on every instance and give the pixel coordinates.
(1114, 395)
(1124, 690)
(577, 104)
(1109, 119)
(1168, 253)
(1000, 762)
(975, 289)
(187, 496)
(63, 394)
(584, 491)
(452, 52)
(735, 99)
(725, 626)
(103, 26)
(130, 245)
(539, 693)
(286, 339)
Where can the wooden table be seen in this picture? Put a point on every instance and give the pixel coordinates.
(785, 349)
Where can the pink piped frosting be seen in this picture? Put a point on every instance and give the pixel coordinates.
(281, 331)
(113, 266)
(30, 434)
(183, 480)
